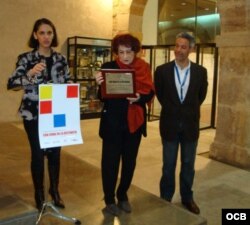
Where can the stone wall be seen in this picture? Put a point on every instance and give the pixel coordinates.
(232, 139)
(71, 18)
(127, 16)
(95, 18)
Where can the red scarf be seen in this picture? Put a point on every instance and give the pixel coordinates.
(143, 84)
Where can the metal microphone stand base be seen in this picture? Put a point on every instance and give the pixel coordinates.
(49, 209)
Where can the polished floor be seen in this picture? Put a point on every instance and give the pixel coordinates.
(216, 186)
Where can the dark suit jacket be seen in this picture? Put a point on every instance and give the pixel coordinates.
(173, 112)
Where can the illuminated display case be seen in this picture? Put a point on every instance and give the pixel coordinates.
(85, 57)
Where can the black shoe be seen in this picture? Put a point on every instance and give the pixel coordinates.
(112, 209)
(57, 199)
(125, 206)
(39, 198)
(192, 207)
(166, 199)
(59, 203)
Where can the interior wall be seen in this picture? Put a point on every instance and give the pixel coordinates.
(149, 23)
(71, 18)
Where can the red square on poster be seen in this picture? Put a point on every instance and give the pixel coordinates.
(72, 91)
(45, 107)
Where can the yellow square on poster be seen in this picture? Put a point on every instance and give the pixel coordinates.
(45, 92)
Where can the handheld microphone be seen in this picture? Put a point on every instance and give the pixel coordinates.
(45, 71)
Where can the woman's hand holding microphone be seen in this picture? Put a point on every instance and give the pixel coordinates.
(37, 69)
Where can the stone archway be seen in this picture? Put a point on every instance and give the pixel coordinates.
(127, 16)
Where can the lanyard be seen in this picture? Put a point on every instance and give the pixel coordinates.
(183, 82)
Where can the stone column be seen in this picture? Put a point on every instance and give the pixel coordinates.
(127, 16)
(232, 140)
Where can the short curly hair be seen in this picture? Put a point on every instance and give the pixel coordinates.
(127, 40)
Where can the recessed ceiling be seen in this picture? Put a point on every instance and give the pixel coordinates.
(171, 10)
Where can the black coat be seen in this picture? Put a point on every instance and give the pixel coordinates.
(114, 113)
(174, 112)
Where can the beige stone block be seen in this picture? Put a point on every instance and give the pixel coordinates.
(242, 137)
(135, 23)
(116, 2)
(236, 57)
(230, 24)
(227, 91)
(123, 10)
(232, 98)
(232, 155)
(122, 21)
(233, 39)
(233, 15)
(225, 125)
(141, 2)
(137, 10)
(232, 140)
(121, 6)
(234, 77)
(232, 62)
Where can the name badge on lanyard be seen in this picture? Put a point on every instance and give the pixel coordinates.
(181, 83)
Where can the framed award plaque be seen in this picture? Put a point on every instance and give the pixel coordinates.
(118, 83)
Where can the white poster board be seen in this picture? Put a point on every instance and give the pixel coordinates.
(59, 115)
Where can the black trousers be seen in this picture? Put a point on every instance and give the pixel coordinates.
(38, 154)
(123, 147)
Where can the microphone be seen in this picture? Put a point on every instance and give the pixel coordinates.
(45, 71)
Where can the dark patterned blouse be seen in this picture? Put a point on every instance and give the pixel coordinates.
(57, 72)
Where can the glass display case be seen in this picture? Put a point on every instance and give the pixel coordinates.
(85, 57)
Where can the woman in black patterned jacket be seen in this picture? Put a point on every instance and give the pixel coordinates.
(39, 66)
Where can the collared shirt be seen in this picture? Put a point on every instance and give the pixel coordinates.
(182, 79)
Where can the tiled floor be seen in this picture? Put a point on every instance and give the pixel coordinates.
(216, 186)
(80, 187)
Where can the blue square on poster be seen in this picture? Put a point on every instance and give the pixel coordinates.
(59, 120)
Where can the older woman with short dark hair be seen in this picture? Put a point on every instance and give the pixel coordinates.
(122, 124)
